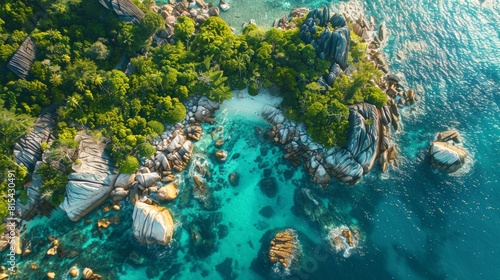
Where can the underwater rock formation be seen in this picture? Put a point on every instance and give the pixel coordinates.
(444, 154)
(152, 224)
(308, 205)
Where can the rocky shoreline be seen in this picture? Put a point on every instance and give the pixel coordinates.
(370, 129)
(370, 141)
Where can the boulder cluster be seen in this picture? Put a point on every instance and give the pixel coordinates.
(284, 248)
(333, 44)
(445, 154)
(370, 129)
(198, 10)
(367, 139)
(156, 176)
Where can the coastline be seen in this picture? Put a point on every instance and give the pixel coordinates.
(232, 218)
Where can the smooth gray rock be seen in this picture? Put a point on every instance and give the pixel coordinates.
(119, 194)
(124, 181)
(93, 157)
(33, 191)
(362, 137)
(27, 150)
(84, 192)
(148, 179)
(344, 167)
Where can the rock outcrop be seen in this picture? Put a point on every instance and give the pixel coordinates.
(284, 248)
(152, 224)
(30, 209)
(444, 154)
(125, 9)
(21, 62)
(85, 192)
(347, 164)
(92, 181)
(331, 45)
(27, 150)
(122, 186)
(92, 156)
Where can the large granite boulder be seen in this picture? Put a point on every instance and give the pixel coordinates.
(152, 224)
(181, 157)
(148, 179)
(357, 158)
(307, 30)
(338, 20)
(316, 168)
(93, 157)
(168, 192)
(334, 45)
(363, 134)
(446, 156)
(27, 150)
(194, 131)
(21, 61)
(84, 192)
(344, 167)
(124, 181)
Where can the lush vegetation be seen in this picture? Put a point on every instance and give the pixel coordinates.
(80, 46)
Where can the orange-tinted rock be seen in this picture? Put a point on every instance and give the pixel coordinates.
(283, 247)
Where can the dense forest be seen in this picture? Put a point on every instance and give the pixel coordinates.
(81, 52)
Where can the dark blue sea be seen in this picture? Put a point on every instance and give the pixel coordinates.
(415, 222)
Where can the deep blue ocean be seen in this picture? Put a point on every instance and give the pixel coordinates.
(416, 223)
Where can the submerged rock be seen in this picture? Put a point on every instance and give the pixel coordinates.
(152, 224)
(269, 187)
(234, 178)
(221, 155)
(266, 212)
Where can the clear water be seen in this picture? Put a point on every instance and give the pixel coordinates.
(418, 223)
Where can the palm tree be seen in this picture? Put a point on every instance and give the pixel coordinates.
(72, 101)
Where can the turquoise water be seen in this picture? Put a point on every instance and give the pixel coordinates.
(417, 223)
